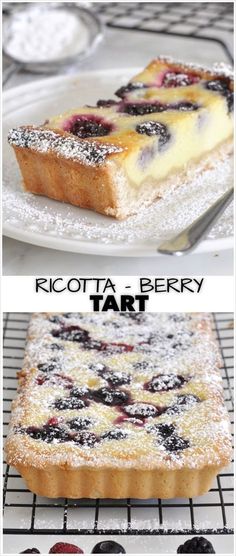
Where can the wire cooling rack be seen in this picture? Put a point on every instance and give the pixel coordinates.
(28, 514)
(211, 21)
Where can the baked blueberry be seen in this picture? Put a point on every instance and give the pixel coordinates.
(47, 367)
(84, 126)
(178, 79)
(185, 106)
(72, 334)
(196, 545)
(187, 399)
(55, 319)
(141, 410)
(153, 128)
(69, 403)
(162, 430)
(108, 547)
(80, 392)
(106, 103)
(50, 433)
(141, 108)
(109, 396)
(114, 434)
(141, 365)
(163, 383)
(182, 402)
(56, 347)
(79, 423)
(217, 85)
(122, 91)
(230, 101)
(34, 432)
(175, 443)
(135, 316)
(85, 439)
(115, 378)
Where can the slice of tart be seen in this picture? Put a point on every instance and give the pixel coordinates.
(169, 121)
(120, 405)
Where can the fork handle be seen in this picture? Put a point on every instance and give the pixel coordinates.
(186, 240)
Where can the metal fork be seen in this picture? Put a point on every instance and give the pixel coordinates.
(189, 238)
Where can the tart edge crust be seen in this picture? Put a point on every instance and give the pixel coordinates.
(104, 188)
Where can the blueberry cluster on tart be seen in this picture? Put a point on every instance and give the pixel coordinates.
(123, 153)
(124, 396)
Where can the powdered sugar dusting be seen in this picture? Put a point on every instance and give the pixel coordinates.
(144, 428)
(89, 153)
(153, 224)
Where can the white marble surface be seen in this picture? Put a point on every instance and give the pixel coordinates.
(120, 49)
(24, 259)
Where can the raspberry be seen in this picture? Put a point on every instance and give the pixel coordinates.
(65, 548)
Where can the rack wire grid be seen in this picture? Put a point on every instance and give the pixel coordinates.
(213, 21)
(26, 513)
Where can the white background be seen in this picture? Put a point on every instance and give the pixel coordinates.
(18, 294)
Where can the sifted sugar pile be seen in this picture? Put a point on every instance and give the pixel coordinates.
(43, 34)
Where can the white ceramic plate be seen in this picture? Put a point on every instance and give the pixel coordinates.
(41, 221)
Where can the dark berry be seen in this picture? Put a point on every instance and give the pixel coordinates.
(110, 397)
(85, 439)
(178, 79)
(82, 393)
(141, 108)
(162, 430)
(50, 432)
(175, 443)
(65, 548)
(185, 106)
(69, 403)
(108, 547)
(218, 85)
(34, 432)
(72, 334)
(115, 378)
(141, 410)
(230, 101)
(115, 434)
(187, 399)
(47, 367)
(141, 365)
(122, 91)
(56, 347)
(89, 126)
(55, 319)
(68, 315)
(30, 551)
(163, 383)
(154, 128)
(196, 545)
(137, 317)
(106, 103)
(182, 403)
(79, 423)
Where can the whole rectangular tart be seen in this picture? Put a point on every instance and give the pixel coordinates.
(170, 121)
(120, 405)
